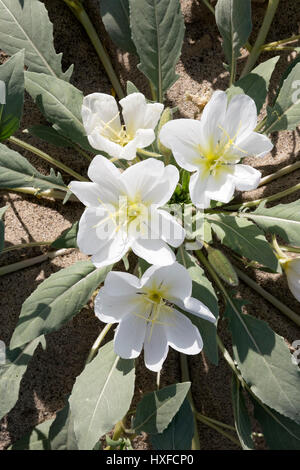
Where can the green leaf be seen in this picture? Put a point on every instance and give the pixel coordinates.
(265, 362)
(115, 17)
(282, 220)
(57, 300)
(16, 172)
(156, 410)
(241, 416)
(50, 135)
(101, 396)
(61, 433)
(244, 237)
(12, 74)
(280, 433)
(11, 374)
(2, 227)
(27, 26)
(68, 238)
(256, 83)
(131, 88)
(37, 439)
(60, 103)
(204, 291)
(285, 114)
(179, 433)
(157, 31)
(234, 22)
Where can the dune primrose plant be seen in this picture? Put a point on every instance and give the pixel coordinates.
(159, 210)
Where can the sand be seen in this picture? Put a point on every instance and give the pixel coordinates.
(51, 373)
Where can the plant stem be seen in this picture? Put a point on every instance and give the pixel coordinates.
(272, 198)
(46, 157)
(25, 245)
(256, 50)
(289, 248)
(31, 262)
(49, 193)
(260, 125)
(78, 10)
(279, 48)
(283, 171)
(98, 342)
(282, 41)
(269, 297)
(216, 422)
(186, 378)
(203, 419)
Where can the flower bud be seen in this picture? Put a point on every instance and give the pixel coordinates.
(222, 266)
(292, 271)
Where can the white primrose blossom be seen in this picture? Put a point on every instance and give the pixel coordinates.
(123, 212)
(213, 147)
(105, 131)
(146, 312)
(292, 271)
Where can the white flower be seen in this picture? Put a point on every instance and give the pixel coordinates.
(213, 146)
(123, 212)
(146, 312)
(292, 271)
(101, 120)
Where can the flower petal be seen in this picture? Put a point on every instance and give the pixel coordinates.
(113, 250)
(119, 284)
(246, 177)
(108, 177)
(241, 116)
(87, 193)
(196, 307)
(153, 251)
(163, 189)
(155, 347)
(138, 114)
(213, 117)
(220, 187)
(100, 142)
(182, 335)
(143, 138)
(111, 309)
(174, 278)
(99, 109)
(92, 235)
(183, 136)
(130, 336)
(165, 226)
(198, 190)
(141, 178)
(255, 144)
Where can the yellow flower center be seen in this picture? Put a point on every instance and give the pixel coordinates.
(121, 137)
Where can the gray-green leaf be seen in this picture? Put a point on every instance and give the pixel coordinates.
(157, 409)
(68, 238)
(101, 396)
(12, 74)
(60, 103)
(256, 83)
(157, 31)
(49, 134)
(265, 362)
(17, 172)
(11, 374)
(234, 22)
(241, 416)
(57, 300)
(115, 17)
(282, 220)
(280, 433)
(203, 291)
(61, 433)
(285, 114)
(26, 25)
(179, 433)
(245, 238)
(2, 227)
(37, 439)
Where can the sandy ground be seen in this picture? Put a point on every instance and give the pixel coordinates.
(51, 374)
